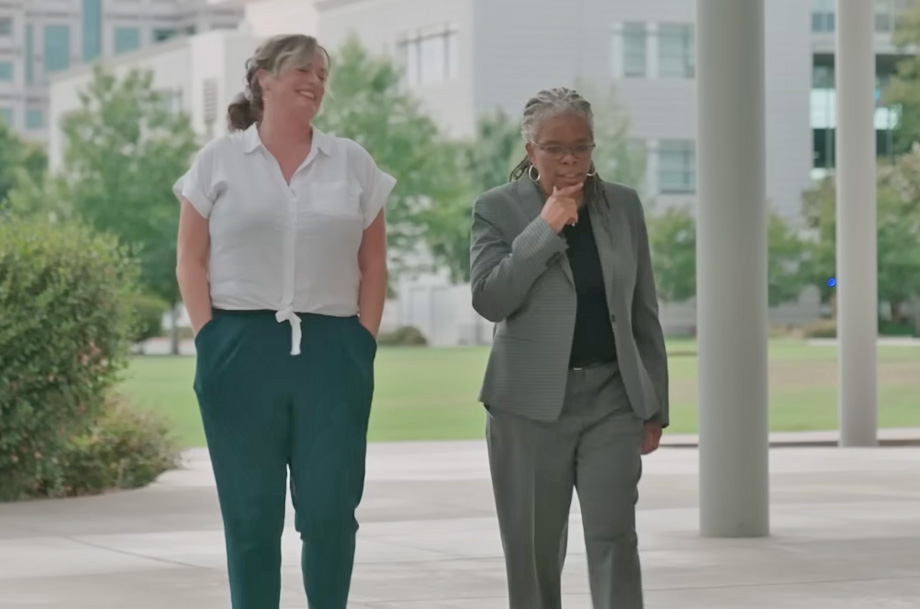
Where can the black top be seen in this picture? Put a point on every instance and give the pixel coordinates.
(593, 339)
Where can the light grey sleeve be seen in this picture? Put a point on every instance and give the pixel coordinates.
(502, 272)
(645, 322)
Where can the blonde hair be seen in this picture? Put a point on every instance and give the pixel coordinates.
(274, 55)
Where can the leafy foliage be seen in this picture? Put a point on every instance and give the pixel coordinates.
(124, 150)
(898, 218)
(21, 163)
(64, 296)
(672, 240)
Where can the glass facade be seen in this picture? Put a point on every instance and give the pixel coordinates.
(676, 51)
(634, 53)
(127, 39)
(35, 118)
(677, 167)
(6, 71)
(30, 54)
(57, 48)
(161, 35)
(92, 29)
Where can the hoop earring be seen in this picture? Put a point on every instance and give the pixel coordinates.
(530, 173)
(593, 171)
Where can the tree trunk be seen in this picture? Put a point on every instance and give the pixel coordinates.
(896, 311)
(174, 328)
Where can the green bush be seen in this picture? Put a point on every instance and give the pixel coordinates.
(65, 323)
(827, 328)
(123, 449)
(888, 327)
(147, 312)
(824, 328)
(404, 336)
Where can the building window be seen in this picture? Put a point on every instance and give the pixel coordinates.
(6, 71)
(634, 59)
(431, 58)
(127, 39)
(887, 13)
(161, 35)
(173, 100)
(823, 16)
(57, 48)
(35, 119)
(6, 26)
(92, 29)
(6, 114)
(676, 51)
(822, 77)
(676, 167)
(209, 104)
(30, 54)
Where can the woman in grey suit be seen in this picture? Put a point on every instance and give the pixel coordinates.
(576, 385)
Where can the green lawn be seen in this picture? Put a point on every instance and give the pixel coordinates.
(430, 394)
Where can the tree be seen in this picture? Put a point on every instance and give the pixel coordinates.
(618, 158)
(124, 150)
(786, 261)
(672, 240)
(488, 160)
(898, 218)
(21, 162)
(380, 115)
(903, 90)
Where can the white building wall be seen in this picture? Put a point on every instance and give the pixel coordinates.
(264, 18)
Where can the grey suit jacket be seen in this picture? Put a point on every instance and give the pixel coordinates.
(522, 281)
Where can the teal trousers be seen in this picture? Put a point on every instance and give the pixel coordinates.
(267, 413)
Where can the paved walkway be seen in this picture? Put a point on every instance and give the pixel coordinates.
(845, 523)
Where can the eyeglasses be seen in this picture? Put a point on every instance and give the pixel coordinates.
(557, 152)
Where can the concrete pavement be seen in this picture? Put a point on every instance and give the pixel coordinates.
(845, 523)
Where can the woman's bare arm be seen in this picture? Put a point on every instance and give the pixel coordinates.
(192, 253)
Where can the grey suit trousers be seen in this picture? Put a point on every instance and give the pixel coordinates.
(594, 447)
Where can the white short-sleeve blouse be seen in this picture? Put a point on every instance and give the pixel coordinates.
(291, 248)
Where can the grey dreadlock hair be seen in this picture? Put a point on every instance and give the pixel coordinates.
(545, 105)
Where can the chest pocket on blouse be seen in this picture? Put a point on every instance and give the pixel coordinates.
(336, 198)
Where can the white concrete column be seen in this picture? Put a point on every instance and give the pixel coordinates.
(732, 269)
(857, 257)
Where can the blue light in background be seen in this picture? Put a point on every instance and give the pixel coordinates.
(832, 282)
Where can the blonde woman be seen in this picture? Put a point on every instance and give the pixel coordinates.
(282, 266)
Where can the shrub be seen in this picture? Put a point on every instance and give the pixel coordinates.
(147, 312)
(824, 328)
(65, 323)
(123, 449)
(887, 327)
(827, 328)
(404, 336)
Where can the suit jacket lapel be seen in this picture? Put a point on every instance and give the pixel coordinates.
(607, 225)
